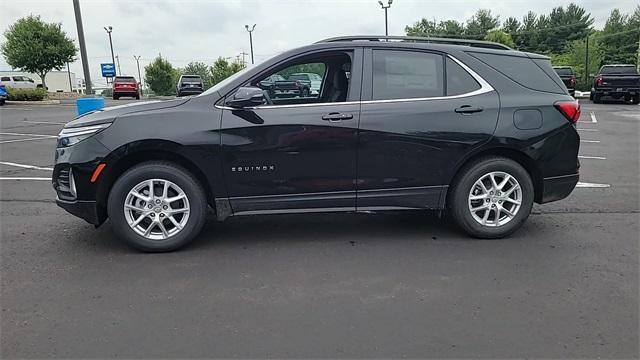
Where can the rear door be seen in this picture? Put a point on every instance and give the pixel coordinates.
(421, 113)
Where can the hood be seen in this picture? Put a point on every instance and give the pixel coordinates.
(110, 114)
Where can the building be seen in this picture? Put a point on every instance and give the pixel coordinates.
(57, 81)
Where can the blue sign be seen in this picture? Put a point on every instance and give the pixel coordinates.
(108, 70)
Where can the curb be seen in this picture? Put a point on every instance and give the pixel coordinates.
(43, 102)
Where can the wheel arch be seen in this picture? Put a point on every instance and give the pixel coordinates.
(518, 156)
(132, 154)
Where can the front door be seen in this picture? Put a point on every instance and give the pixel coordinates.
(298, 151)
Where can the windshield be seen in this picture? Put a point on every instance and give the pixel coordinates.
(224, 82)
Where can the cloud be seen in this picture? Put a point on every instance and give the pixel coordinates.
(201, 30)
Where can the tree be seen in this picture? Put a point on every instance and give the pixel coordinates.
(161, 76)
(35, 46)
(222, 69)
(479, 24)
(501, 37)
(620, 37)
(201, 69)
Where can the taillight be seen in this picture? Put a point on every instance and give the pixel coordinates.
(570, 110)
(599, 80)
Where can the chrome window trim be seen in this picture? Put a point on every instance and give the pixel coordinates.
(485, 87)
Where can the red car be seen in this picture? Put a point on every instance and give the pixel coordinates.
(125, 86)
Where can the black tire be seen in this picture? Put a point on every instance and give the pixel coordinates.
(158, 170)
(304, 93)
(115, 97)
(635, 99)
(2, 102)
(596, 99)
(138, 97)
(591, 96)
(458, 199)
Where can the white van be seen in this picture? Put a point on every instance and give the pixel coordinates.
(18, 81)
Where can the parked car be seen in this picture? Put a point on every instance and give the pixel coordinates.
(269, 82)
(3, 94)
(483, 142)
(18, 82)
(617, 82)
(125, 86)
(291, 87)
(568, 78)
(313, 78)
(189, 85)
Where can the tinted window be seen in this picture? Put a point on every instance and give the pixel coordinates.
(459, 81)
(299, 77)
(563, 71)
(5, 78)
(524, 71)
(618, 70)
(125, 79)
(191, 79)
(406, 74)
(19, 78)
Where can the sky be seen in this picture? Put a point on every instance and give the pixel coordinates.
(203, 30)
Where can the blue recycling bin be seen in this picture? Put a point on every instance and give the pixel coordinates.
(88, 104)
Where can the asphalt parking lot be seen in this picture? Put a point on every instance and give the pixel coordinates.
(338, 285)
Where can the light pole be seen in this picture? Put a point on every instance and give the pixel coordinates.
(138, 64)
(109, 29)
(385, 7)
(83, 48)
(250, 39)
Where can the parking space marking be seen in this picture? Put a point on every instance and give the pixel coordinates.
(593, 117)
(24, 166)
(44, 122)
(592, 157)
(591, 185)
(23, 134)
(26, 178)
(594, 130)
(28, 139)
(591, 141)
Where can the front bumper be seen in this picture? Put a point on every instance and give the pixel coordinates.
(558, 187)
(86, 210)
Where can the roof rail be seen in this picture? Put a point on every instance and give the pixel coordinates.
(451, 41)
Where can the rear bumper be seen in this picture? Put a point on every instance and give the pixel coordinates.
(558, 187)
(190, 91)
(86, 210)
(613, 92)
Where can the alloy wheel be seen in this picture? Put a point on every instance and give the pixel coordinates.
(495, 199)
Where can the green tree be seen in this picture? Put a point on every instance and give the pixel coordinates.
(481, 23)
(500, 36)
(222, 69)
(161, 76)
(575, 55)
(35, 46)
(423, 27)
(620, 37)
(198, 68)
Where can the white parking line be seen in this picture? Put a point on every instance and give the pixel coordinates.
(23, 134)
(591, 141)
(594, 130)
(26, 178)
(592, 157)
(21, 140)
(592, 185)
(44, 122)
(593, 117)
(33, 167)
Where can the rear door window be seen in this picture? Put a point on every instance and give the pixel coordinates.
(407, 75)
(459, 81)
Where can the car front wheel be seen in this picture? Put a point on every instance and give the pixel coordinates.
(491, 198)
(157, 206)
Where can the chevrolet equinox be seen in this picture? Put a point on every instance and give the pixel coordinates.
(398, 123)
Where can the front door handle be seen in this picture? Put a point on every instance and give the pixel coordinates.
(335, 116)
(468, 109)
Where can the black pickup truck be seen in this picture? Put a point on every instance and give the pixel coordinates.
(568, 78)
(618, 82)
(279, 87)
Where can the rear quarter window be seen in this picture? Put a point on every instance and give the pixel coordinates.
(535, 75)
(459, 81)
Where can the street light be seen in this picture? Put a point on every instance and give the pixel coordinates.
(109, 29)
(385, 7)
(251, 38)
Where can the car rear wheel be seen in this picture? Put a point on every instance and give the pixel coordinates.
(157, 206)
(115, 97)
(491, 197)
(596, 98)
(635, 99)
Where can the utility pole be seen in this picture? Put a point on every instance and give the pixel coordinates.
(586, 60)
(69, 74)
(244, 63)
(386, 23)
(138, 64)
(109, 29)
(118, 61)
(251, 38)
(83, 48)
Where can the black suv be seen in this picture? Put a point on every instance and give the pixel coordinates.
(398, 123)
(189, 85)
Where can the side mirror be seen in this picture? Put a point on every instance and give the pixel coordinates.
(246, 97)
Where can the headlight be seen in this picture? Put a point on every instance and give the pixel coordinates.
(72, 136)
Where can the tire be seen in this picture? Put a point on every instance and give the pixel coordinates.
(596, 99)
(591, 96)
(304, 92)
(460, 202)
(2, 102)
(115, 97)
(158, 240)
(138, 97)
(635, 99)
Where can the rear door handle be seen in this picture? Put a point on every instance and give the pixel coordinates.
(468, 109)
(335, 116)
